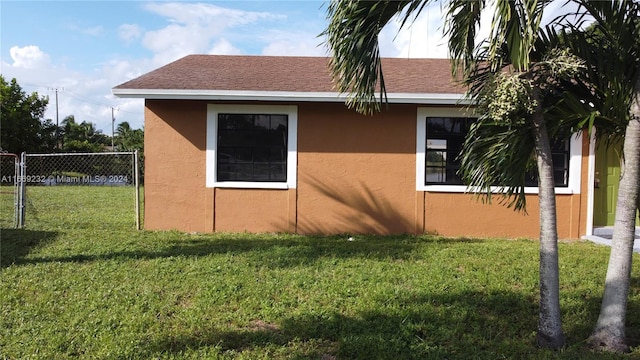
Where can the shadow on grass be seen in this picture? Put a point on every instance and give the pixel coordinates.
(275, 251)
(421, 326)
(15, 244)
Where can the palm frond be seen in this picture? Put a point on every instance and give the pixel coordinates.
(498, 155)
(461, 26)
(352, 36)
(610, 48)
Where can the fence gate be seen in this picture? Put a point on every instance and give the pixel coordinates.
(80, 190)
(9, 201)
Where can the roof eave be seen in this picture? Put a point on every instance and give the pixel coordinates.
(279, 96)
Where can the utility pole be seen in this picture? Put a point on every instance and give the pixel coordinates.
(57, 122)
(113, 121)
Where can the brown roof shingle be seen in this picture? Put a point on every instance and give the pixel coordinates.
(288, 74)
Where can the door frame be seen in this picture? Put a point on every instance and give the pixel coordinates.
(591, 186)
(591, 178)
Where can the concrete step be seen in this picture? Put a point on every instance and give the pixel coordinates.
(607, 231)
(603, 235)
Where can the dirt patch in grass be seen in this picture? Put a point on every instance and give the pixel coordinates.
(263, 326)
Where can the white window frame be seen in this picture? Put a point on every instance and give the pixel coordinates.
(575, 155)
(213, 110)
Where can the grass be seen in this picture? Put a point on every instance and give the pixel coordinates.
(80, 207)
(7, 206)
(79, 291)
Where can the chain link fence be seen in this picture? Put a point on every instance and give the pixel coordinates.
(79, 190)
(9, 200)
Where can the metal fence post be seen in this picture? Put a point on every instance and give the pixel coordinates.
(136, 174)
(22, 192)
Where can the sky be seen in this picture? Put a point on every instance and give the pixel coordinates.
(80, 50)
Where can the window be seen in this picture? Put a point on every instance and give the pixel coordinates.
(440, 136)
(445, 136)
(251, 146)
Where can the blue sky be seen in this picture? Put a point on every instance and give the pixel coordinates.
(84, 48)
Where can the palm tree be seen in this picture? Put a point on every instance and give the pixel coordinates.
(123, 129)
(611, 49)
(512, 79)
(356, 67)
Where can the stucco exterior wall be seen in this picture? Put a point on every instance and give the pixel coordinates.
(356, 174)
(174, 184)
(463, 215)
(253, 210)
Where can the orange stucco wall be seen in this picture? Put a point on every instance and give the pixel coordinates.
(356, 174)
(463, 215)
(174, 184)
(254, 210)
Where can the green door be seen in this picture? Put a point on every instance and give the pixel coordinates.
(607, 178)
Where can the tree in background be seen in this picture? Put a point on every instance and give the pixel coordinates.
(22, 128)
(21, 125)
(81, 137)
(128, 139)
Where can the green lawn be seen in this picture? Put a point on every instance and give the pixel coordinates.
(7, 206)
(79, 291)
(80, 207)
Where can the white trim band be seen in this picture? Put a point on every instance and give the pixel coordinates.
(251, 95)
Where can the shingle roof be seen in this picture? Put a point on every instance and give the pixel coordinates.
(285, 74)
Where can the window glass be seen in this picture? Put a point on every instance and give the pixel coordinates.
(445, 136)
(252, 147)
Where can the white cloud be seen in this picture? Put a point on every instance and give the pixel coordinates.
(195, 28)
(129, 32)
(294, 48)
(175, 41)
(86, 95)
(224, 47)
(293, 43)
(421, 37)
(28, 57)
(203, 14)
(424, 36)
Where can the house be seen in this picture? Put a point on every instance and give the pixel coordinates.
(266, 144)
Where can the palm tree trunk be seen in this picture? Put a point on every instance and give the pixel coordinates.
(609, 332)
(550, 333)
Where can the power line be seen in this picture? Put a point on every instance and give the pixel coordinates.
(76, 97)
